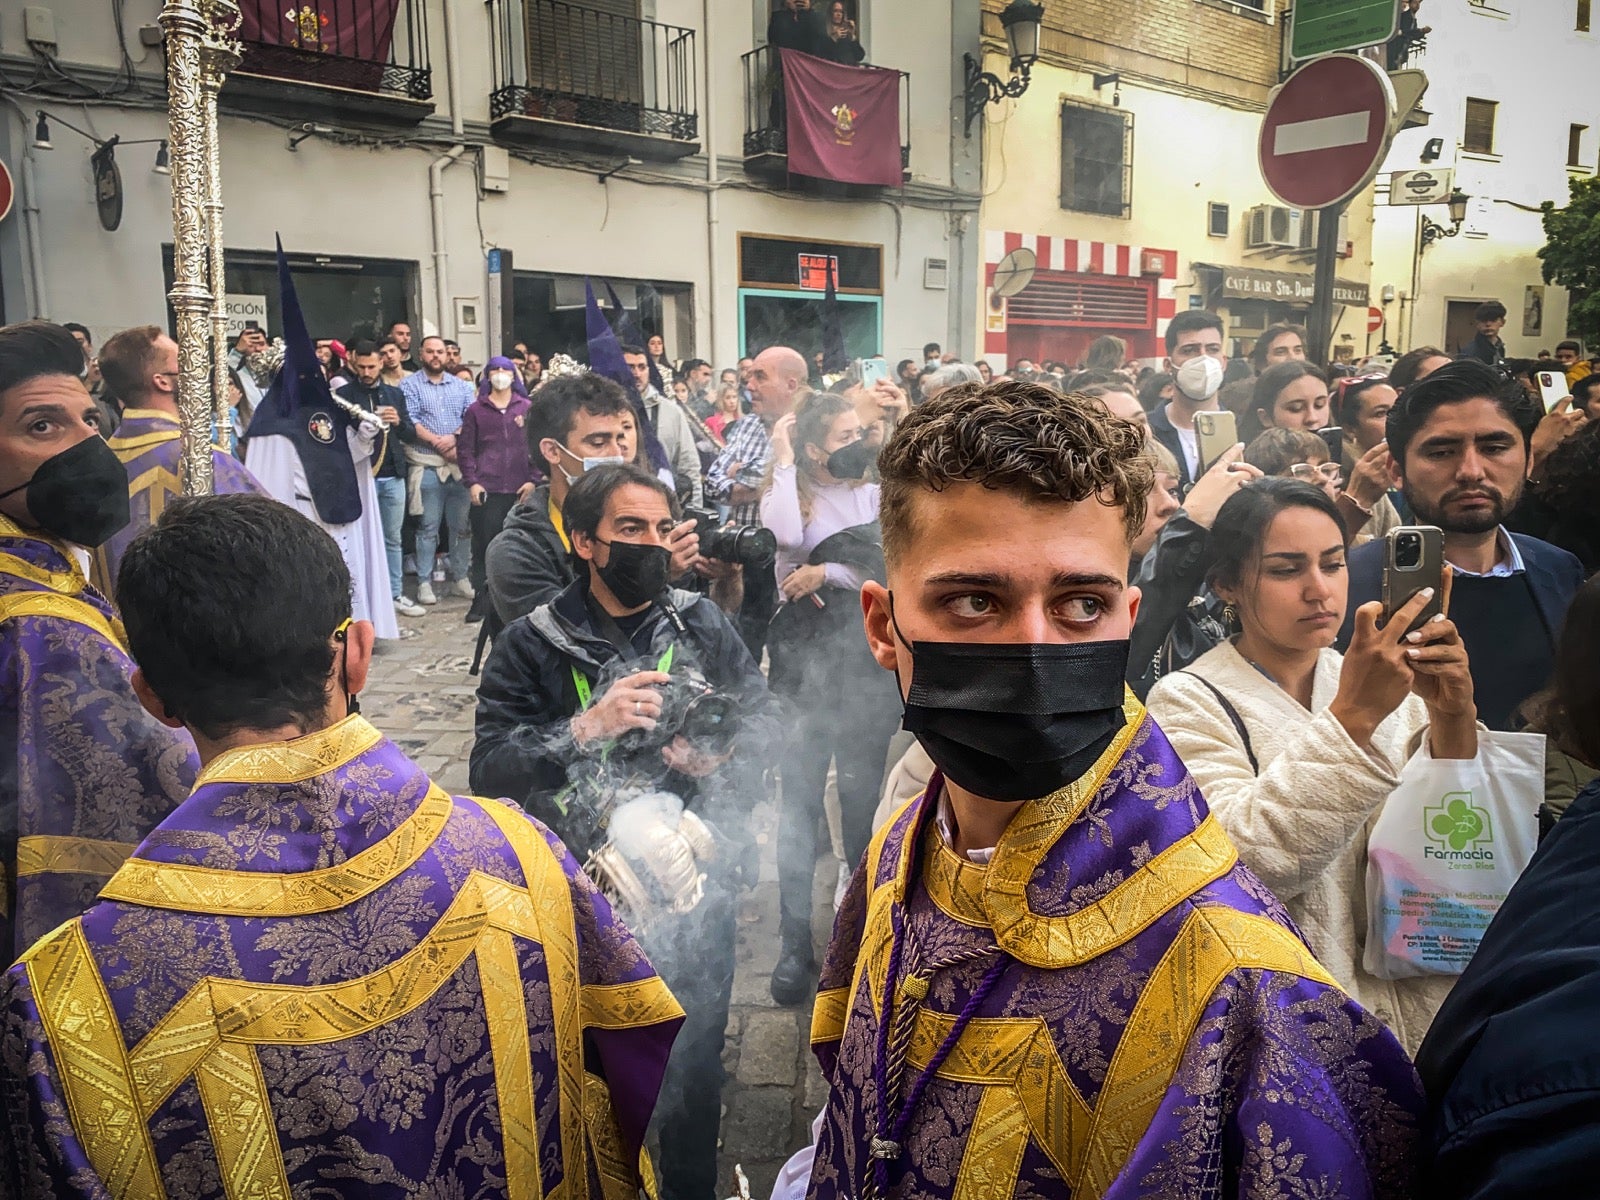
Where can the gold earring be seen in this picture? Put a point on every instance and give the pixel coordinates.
(1230, 615)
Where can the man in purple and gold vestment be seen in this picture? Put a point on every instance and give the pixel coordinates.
(140, 367)
(85, 772)
(1050, 975)
(321, 975)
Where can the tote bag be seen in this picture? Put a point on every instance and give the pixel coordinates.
(1447, 846)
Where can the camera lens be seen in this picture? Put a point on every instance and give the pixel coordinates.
(1408, 551)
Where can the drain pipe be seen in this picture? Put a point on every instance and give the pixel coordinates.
(713, 189)
(441, 251)
(40, 306)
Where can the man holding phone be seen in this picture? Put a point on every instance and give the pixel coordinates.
(1461, 442)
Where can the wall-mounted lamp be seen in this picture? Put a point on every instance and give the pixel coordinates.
(1112, 77)
(1432, 231)
(163, 161)
(1021, 20)
(103, 164)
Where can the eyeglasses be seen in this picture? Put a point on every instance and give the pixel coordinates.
(1316, 472)
(1350, 381)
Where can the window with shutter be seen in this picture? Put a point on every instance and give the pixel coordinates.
(1575, 144)
(1583, 16)
(1478, 135)
(1096, 159)
(1077, 300)
(590, 50)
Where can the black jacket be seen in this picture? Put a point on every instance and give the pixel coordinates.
(527, 562)
(1485, 348)
(1163, 430)
(393, 465)
(524, 747)
(802, 31)
(1170, 577)
(1511, 1064)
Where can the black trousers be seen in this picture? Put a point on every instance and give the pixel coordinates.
(694, 955)
(486, 520)
(760, 601)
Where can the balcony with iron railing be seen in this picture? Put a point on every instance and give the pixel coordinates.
(766, 135)
(582, 79)
(359, 60)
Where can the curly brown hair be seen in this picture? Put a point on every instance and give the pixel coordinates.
(1014, 437)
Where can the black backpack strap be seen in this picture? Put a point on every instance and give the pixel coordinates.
(1233, 715)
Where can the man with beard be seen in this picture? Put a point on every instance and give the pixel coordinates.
(1460, 440)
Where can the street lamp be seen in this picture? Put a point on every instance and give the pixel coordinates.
(1021, 20)
(1432, 231)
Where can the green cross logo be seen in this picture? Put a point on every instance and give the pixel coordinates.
(1455, 822)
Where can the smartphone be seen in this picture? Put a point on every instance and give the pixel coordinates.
(1215, 434)
(1333, 436)
(872, 370)
(1553, 388)
(1414, 560)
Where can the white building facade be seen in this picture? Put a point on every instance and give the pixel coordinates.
(1514, 113)
(404, 149)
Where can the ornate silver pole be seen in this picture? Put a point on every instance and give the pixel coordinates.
(218, 285)
(200, 48)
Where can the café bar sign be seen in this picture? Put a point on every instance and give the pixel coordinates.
(1285, 287)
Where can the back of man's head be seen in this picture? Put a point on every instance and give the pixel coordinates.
(32, 349)
(1018, 438)
(948, 376)
(128, 360)
(231, 604)
(556, 405)
(1191, 320)
(1464, 380)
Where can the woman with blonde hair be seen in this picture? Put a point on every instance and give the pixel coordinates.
(819, 504)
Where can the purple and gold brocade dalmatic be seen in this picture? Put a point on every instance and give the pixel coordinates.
(1113, 1007)
(150, 445)
(323, 976)
(85, 772)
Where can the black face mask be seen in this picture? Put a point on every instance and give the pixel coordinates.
(636, 574)
(852, 461)
(1015, 721)
(79, 495)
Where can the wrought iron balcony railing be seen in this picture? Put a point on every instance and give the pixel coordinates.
(568, 74)
(766, 135)
(373, 46)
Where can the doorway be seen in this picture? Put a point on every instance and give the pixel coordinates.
(1459, 325)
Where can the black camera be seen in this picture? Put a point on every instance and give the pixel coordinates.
(1408, 551)
(691, 708)
(747, 545)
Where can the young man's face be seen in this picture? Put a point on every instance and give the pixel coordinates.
(401, 333)
(367, 368)
(591, 436)
(635, 514)
(1566, 356)
(1193, 344)
(981, 565)
(640, 366)
(1493, 326)
(1464, 469)
(1286, 347)
(38, 420)
(390, 356)
(452, 355)
(433, 355)
(700, 377)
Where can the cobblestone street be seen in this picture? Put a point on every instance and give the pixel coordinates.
(421, 695)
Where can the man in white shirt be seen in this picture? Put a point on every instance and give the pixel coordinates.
(1195, 359)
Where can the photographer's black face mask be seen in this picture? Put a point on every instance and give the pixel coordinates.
(80, 495)
(852, 461)
(1014, 721)
(635, 573)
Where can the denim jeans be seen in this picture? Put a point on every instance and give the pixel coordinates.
(444, 502)
(392, 508)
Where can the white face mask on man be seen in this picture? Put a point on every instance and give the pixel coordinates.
(1200, 378)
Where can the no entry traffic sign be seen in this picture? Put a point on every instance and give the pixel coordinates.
(1374, 320)
(1326, 131)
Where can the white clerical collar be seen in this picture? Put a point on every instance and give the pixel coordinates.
(944, 820)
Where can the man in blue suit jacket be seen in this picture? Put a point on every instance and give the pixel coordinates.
(1460, 441)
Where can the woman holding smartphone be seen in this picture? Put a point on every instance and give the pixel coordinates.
(1295, 748)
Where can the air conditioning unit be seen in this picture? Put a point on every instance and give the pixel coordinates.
(1273, 227)
(936, 274)
(1308, 233)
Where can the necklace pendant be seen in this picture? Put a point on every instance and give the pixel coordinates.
(885, 1149)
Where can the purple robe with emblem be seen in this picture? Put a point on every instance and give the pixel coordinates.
(85, 772)
(1158, 1028)
(323, 976)
(150, 445)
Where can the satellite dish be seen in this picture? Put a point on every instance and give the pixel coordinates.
(1015, 272)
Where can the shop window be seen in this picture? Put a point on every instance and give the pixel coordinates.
(1096, 159)
(1477, 136)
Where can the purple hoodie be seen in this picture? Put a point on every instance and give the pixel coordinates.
(492, 447)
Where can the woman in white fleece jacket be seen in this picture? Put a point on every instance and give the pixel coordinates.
(1295, 749)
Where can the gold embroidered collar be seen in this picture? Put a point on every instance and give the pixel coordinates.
(997, 897)
(294, 761)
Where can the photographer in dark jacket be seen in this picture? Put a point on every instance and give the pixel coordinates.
(585, 690)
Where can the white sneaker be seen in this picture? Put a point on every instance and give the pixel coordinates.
(408, 607)
(465, 590)
(425, 593)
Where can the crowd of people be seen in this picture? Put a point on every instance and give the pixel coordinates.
(1109, 712)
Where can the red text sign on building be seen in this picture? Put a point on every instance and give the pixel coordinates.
(814, 271)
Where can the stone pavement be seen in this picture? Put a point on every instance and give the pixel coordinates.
(421, 695)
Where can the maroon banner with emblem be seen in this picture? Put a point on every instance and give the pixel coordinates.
(360, 29)
(843, 122)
